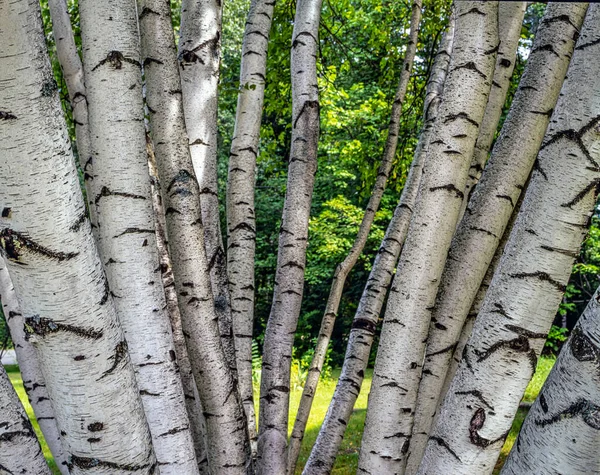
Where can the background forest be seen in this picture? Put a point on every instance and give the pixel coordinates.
(359, 64)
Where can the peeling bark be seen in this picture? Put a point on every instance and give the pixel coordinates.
(509, 333)
(293, 236)
(493, 202)
(55, 268)
(398, 366)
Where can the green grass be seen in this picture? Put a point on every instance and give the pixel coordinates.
(347, 460)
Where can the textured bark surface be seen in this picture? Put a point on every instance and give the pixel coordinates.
(225, 423)
(241, 222)
(57, 274)
(344, 268)
(31, 373)
(199, 61)
(324, 452)
(293, 236)
(397, 370)
(509, 333)
(510, 21)
(20, 451)
(492, 203)
(123, 205)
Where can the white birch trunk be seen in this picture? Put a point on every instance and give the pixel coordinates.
(225, 423)
(199, 61)
(492, 203)
(293, 236)
(20, 450)
(397, 370)
(509, 333)
(344, 268)
(510, 22)
(57, 274)
(241, 222)
(33, 380)
(123, 204)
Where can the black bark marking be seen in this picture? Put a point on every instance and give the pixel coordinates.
(543, 403)
(450, 187)
(582, 347)
(505, 62)
(187, 56)
(587, 45)
(566, 252)
(244, 226)
(76, 226)
(519, 344)
(443, 350)
(106, 192)
(199, 142)
(547, 47)
(6, 212)
(296, 42)
(365, 325)
(135, 231)
(175, 430)
(45, 326)
(476, 423)
(507, 198)
(547, 113)
(116, 60)
(560, 18)
(477, 394)
(576, 136)
(12, 244)
(593, 186)
(526, 333)
(293, 264)
(489, 233)
(181, 183)
(6, 115)
(537, 167)
(543, 276)
(473, 10)
(460, 115)
(305, 106)
(171, 210)
(499, 309)
(49, 87)
(147, 11)
(589, 412)
(149, 61)
(217, 257)
(120, 355)
(493, 50)
(208, 191)
(442, 443)
(87, 463)
(471, 66)
(95, 427)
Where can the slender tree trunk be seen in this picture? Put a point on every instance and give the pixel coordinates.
(33, 380)
(199, 61)
(182, 201)
(492, 204)
(123, 204)
(509, 333)
(57, 274)
(241, 222)
(293, 236)
(344, 268)
(20, 450)
(324, 453)
(72, 70)
(510, 22)
(397, 371)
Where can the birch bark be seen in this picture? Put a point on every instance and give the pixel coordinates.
(199, 61)
(493, 201)
(509, 333)
(57, 274)
(397, 370)
(291, 257)
(33, 380)
(126, 234)
(225, 423)
(344, 268)
(20, 451)
(241, 222)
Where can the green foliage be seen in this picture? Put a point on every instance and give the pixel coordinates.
(5, 341)
(556, 337)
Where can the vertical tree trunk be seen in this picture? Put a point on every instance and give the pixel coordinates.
(181, 197)
(291, 257)
(509, 333)
(493, 201)
(344, 268)
(54, 265)
(241, 222)
(33, 380)
(20, 451)
(199, 61)
(510, 22)
(397, 371)
(123, 204)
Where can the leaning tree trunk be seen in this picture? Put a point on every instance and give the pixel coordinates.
(199, 61)
(509, 333)
(241, 222)
(344, 268)
(293, 239)
(33, 380)
(510, 22)
(225, 422)
(58, 277)
(399, 358)
(560, 433)
(492, 204)
(123, 205)
(20, 450)
(325, 450)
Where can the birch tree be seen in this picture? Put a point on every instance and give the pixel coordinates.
(509, 333)
(399, 357)
(57, 274)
